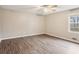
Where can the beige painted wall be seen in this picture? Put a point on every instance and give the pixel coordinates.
(1, 32)
(0, 28)
(57, 25)
(17, 24)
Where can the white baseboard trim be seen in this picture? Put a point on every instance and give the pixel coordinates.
(1, 39)
(20, 36)
(76, 41)
(56, 36)
(40, 34)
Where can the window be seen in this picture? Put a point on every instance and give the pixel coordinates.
(74, 23)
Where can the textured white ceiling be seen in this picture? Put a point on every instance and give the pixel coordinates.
(35, 8)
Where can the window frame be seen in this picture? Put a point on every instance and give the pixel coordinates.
(73, 14)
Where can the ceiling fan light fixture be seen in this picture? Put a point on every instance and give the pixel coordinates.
(49, 6)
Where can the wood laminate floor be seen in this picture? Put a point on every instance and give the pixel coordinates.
(40, 44)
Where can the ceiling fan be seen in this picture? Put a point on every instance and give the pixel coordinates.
(46, 9)
(50, 6)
